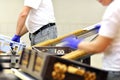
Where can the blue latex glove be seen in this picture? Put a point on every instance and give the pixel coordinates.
(71, 42)
(16, 38)
(97, 27)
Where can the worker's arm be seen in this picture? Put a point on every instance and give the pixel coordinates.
(21, 29)
(21, 19)
(99, 44)
(96, 46)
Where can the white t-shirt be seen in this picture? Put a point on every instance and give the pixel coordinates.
(41, 14)
(110, 27)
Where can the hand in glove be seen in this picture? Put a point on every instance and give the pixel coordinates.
(71, 42)
(97, 27)
(16, 38)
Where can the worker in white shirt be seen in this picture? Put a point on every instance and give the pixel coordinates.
(37, 18)
(107, 41)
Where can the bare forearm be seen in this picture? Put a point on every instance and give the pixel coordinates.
(20, 24)
(96, 46)
(89, 47)
(23, 31)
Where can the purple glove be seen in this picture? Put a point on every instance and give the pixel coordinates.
(16, 38)
(71, 42)
(97, 27)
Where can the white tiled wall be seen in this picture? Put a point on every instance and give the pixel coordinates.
(70, 16)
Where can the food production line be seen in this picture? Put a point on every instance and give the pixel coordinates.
(45, 62)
